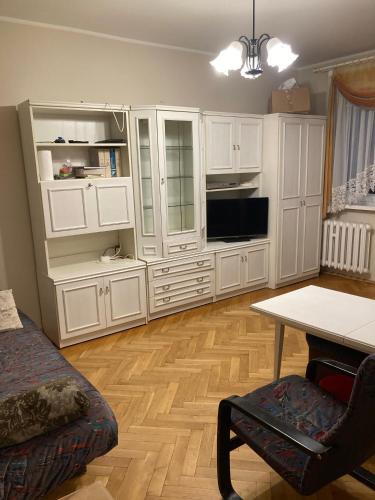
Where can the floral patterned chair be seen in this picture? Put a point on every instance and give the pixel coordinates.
(304, 433)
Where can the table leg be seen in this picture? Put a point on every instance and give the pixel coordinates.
(279, 341)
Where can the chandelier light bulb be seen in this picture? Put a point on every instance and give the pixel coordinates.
(229, 59)
(280, 54)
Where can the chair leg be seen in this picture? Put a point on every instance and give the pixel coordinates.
(223, 453)
(364, 476)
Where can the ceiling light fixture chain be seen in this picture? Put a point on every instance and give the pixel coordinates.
(232, 58)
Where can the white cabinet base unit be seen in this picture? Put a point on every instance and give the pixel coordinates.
(178, 284)
(113, 299)
(293, 180)
(242, 268)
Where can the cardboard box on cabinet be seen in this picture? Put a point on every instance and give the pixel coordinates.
(295, 100)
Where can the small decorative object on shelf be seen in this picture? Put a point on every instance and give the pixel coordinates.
(72, 141)
(66, 170)
(60, 140)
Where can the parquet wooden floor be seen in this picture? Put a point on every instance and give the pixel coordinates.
(164, 381)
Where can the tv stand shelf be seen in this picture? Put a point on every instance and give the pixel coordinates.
(218, 245)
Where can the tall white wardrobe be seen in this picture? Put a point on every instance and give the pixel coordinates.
(293, 159)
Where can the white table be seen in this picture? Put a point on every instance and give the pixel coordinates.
(339, 317)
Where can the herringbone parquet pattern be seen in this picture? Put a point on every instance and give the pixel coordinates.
(164, 381)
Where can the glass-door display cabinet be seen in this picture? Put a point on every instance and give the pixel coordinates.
(165, 152)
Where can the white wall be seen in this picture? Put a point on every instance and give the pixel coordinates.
(48, 64)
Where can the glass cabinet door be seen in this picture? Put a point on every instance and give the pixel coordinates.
(179, 159)
(145, 174)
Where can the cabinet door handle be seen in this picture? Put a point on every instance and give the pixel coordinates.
(165, 270)
(89, 185)
(162, 180)
(238, 147)
(100, 291)
(200, 263)
(200, 291)
(241, 258)
(166, 287)
(166, 299)
(107, 290)
(183, 247)
(234, 147)
(200, 279)
(245, 258)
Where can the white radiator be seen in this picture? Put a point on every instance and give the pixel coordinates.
(346, 246)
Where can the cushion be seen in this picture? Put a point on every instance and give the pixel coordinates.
(9, 319)
(294, 400)
(340, 386)
(41, 409)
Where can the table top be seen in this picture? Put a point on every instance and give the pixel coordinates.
(325, 312)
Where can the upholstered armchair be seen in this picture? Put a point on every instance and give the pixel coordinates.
(304, 433)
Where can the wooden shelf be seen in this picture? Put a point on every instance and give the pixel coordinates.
(81, 145)
(237, 188)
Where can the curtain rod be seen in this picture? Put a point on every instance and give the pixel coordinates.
(346, 63)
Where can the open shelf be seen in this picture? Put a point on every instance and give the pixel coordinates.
(81, 144)
(237, 188)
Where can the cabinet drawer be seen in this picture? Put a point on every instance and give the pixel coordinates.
(171, 268)
(182, 247)
(177, 283)
(180, 297)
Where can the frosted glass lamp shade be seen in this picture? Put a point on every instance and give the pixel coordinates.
(280, 54)
(229, 58)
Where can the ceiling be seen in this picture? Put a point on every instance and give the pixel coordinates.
(318, 30)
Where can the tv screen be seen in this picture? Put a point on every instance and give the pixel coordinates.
(237, 218)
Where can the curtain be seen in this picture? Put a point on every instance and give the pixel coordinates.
(349, 162)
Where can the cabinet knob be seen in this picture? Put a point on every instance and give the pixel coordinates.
(183, 247)
(200, 291)
(200, 263)
(166, 287)
(165, 270)
(166, 299)
(162, 180)
(200, 279)
(89, 185)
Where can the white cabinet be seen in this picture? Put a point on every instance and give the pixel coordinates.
(166, 159)
(86, 206)
(86, 306)
(233, 144)
(125, 297)
(81, 307)
(240, 268)
(293, 179)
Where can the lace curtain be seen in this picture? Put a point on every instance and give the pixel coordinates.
(349, 163)
(353, 154)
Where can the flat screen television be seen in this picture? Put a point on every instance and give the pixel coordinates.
(232, 219)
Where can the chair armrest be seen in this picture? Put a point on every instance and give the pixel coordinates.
(277, 426)
(332, 365)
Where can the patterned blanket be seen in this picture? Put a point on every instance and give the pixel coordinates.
(33, 468)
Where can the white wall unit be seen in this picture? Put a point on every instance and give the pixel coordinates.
(293, 180)
(241, 268)
(233, 143)
(81, 297)
(166, 157)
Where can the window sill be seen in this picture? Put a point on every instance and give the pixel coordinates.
(361, 208)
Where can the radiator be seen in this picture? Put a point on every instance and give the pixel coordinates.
(346, 246)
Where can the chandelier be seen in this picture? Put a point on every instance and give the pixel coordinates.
(246, 53)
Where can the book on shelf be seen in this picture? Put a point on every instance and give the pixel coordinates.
(106, 161)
